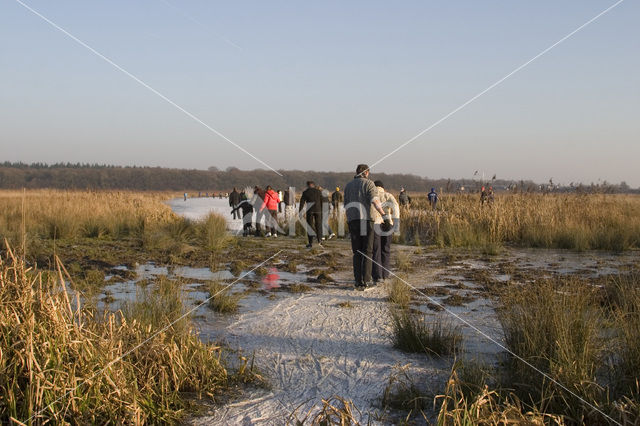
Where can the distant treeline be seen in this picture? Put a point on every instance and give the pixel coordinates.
(98, 176)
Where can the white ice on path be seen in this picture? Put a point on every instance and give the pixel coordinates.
(199, 208)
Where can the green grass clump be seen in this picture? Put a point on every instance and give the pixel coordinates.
(413, 333)
(399, 293)
(223, 300)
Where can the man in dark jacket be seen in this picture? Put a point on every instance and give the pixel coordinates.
(234, 200)
(403, 198)
(312, 198)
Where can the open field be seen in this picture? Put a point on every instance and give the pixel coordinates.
(267, 345)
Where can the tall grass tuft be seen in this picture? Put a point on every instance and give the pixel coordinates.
(413, 333)
(399, 293)
(213, 232)
(556, 326)
(223, 300)
(61, 364)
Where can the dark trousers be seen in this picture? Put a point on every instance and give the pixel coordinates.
(361, 232)
(272, 221)
(236, 213)
(314, 220)
(381, 256)
(259, 216)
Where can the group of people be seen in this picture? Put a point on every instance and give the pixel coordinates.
(372, 217)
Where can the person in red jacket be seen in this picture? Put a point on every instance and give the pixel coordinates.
(271, 201)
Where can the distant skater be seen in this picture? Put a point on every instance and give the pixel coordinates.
(185, 196)
(234, 200)
(433, 198)
(360, 196)
(337, 198)
(312, 199)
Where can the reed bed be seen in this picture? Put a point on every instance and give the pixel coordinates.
(565, 221)
(59, 363)
(37, 220)
(584, 338)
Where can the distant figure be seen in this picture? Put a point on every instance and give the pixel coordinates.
(433, 198)
(360, 196)
(326, 209)
(234, 200)
(185, 196)
(289, 200)
(382, 240)
(483, 196)
(271, 201)
(258, 202)
(247, 212)
(312, 199)
(280, 197)
(403, 198)
(490, 196)
(336, 199)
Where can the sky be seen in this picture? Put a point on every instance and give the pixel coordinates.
(326, 85)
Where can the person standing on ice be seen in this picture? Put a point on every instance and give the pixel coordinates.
(360, 196)
(312, 199)
(271, 201)
(234, 200)
(247, 213)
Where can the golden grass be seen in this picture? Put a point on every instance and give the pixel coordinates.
(568, 221)
(59, 364)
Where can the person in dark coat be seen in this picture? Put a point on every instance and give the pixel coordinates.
(433, 198)
(247, 213)
(234, 200)
(336, 199)
(312, 199)
(403, 198)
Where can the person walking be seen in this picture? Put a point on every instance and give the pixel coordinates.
(258, 202)
(360, 196)
(483, 196)
(403, 198)
(312, 199)
(271, 201)
(234, 200)
(433, 198)
(382, 239)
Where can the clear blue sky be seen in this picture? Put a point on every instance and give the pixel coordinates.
(327, 85)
